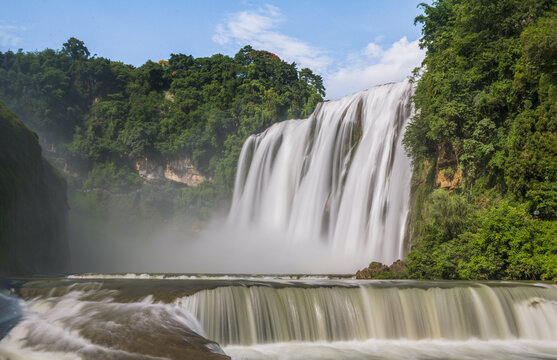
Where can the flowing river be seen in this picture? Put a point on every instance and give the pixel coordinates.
(277, 317)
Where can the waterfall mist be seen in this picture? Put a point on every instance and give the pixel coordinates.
(326, 194)
(339, 178)
(172, 248)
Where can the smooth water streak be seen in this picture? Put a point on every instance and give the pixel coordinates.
(340, 177)
(265, 314)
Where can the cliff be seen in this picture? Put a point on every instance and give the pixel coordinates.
(33, 204)
(180, 169)
(483, 143)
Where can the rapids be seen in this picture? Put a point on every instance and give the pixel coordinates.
(259, 317)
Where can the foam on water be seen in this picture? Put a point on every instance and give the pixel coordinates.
(284, 319)
(133, 276)
(397, 350)
(249, 315)
(90, 325)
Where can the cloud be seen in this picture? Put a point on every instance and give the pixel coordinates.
(374, 66)
(259, 28)
(343, 74)
(9, 35)
(373, 50)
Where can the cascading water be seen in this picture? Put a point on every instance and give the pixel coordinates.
(341, 176)
(141, 316)
(388, 311)
(340, 179)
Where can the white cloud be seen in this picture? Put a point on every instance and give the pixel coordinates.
(259, 28)
(9, 35)
(374, 66)
(373, 50)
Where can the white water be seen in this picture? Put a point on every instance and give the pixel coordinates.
(383, 311)
(144, 276)
(88, 324)
(287, 319)
(340, 177)
(398, 350)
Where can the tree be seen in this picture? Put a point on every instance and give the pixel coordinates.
(75, 49)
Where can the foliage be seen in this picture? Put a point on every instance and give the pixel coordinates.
(500, 242)
(108, 115)
(376, 270)
(32, 204)
(487, 110)
(108, 176)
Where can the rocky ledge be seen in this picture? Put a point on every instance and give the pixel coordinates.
(377, 270)
(179, 169)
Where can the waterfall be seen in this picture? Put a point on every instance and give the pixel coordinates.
(340, 176)
(264, 314)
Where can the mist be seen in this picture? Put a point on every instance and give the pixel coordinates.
(127, 245)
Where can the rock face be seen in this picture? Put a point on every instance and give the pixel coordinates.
(70, 169)
(33, 204)
(448, 174)
(376, 270)
(179, 169)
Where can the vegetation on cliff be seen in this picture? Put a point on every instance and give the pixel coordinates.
(484, 142)
(33, 204)
(105, 115)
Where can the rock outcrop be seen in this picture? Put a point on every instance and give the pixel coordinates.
(377, 270)
(33, 204)
(179, 169)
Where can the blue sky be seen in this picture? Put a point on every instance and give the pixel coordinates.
(353, 44)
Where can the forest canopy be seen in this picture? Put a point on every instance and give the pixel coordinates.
(484, 142)
(110, 114)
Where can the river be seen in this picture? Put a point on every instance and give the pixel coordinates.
(172, 316)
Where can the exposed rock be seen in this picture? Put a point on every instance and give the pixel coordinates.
(179, 169)
(168, 96)
(62, 162)
(363, 274)
(448, 173)
(377, 270)
(121, 327)
(33, 204)
(448, 178)
(398, 266)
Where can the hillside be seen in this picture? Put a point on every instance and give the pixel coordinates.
(173, 127)
(484, 144)
(33, 204)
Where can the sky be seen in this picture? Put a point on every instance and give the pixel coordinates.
(353, 44)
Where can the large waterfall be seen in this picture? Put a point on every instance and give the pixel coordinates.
(340, 177)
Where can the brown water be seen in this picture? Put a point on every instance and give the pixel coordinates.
(288, 317)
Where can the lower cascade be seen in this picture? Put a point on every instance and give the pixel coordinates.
(340, 176)
(141, 316)
(264, 314)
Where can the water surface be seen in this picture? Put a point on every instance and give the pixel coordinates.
(173, 316)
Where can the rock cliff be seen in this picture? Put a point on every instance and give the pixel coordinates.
(179, 169)
(33, 204)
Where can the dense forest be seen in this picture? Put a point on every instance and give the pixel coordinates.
(484, 143)
(101, 117)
